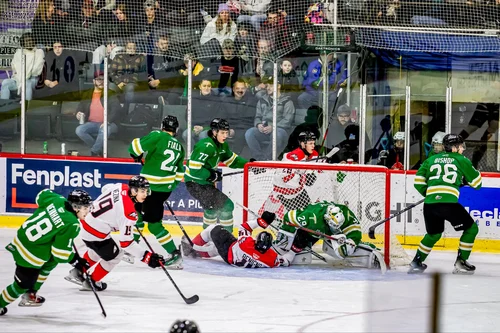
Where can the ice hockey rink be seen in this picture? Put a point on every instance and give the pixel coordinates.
(313, 298)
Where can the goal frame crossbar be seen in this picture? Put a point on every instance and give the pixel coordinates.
(328, 167)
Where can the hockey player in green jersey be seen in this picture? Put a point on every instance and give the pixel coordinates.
(439, 179)
(331, 219)
(164, 169)
(202, 174)
(43, 241)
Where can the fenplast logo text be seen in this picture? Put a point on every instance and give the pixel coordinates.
(53, 179)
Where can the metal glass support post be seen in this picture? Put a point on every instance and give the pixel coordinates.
(275, 108)
(407, 129)
(362, 123)
(23, 102)
(447, 122)
(189, 112)
(105, 127)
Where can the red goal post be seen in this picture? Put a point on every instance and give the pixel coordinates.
(365, 189)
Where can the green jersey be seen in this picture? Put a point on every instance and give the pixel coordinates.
(313, 217)
(164, 163)
(206, 156)
(440, 177)
(48, 232)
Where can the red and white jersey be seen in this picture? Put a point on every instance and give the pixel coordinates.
(112, 211)
(288, 182)
(242, 253)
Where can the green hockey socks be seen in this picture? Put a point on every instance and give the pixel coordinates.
(162, 236)
(225, 215)
(467, 241)
(10, 294)
(426, 245)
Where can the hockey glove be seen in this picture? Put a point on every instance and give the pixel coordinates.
(153, 260)
(137, 159)
(310, 179)
(80, 264)
(215, 176)
(267, 218)
(347, 248)
(244, 230)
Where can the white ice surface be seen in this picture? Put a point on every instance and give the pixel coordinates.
(312, 298)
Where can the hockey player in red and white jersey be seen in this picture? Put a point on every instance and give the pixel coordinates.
(244, 252)
(289, 186)
(113, 211)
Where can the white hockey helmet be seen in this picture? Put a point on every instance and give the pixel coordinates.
(399, 136)
(437, 142)
(334, 217)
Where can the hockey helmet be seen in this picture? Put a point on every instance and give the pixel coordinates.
(184, 326)
(170, 124)
(306, 136)
(452, 140)
(138, 182)
(399, 136)
(79, 198)
(263, 242)
(437, 141)
(219, 124)
(334, 217)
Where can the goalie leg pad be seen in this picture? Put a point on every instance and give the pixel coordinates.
(302, 258)
(368, 257)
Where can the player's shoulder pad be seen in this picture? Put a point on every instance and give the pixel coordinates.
(128, 204)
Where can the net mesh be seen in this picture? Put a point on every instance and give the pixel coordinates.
(279, 187)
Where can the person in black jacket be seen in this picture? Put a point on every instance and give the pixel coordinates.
(91, 109)
(312, 123)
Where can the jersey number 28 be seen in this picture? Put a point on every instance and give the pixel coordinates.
(450, 173)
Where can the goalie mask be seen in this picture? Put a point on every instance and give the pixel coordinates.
(334, 218)
(263, 242)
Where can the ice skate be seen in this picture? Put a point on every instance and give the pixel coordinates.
(75, 276)
(3, 311)
(416, 266)
(31, 299)
(174, 261)
(128, 258)
(99, 286)
(187, 248)
(463, 267)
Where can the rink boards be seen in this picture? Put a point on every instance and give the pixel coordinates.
(22, 178)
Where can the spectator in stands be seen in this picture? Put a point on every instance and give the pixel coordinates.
(274, 29)
(121, 27)
(339, 124)
(239, 111)
(198, 71)
(84, 27)
(162, 72)
(264, 64)
(34, 61)
(250, 11)
(245, 44)
(55, 64)
(108, 49)
(61, 76)
(217, 31)
(287, 77)
(204, 107)
(259, 137)
(47, 25)
(229, 67)
(312, 123)
(91, 108)
(313, 82)
(124, 72)
(149, 24)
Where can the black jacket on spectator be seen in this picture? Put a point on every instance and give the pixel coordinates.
(47, 33)
(224, 77)
(289, 82)
(240, 114)
(312, 123)
(204, 108)
(115, 111)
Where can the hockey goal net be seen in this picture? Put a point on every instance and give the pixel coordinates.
(280, 186)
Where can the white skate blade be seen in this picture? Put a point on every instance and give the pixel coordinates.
(128, 259)
(73, 280)
(175, 267)
(462, 272)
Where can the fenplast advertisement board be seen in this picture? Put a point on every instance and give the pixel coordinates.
(25, 177)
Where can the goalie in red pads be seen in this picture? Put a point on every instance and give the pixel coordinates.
(289, 186)
(244, 252)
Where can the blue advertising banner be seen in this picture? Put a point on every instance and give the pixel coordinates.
(482, 205)
(27, 177)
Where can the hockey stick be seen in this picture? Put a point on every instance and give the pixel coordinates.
(320, 257)
(327, 156)
(191, 300)
(87, 277)
(371, 231)
(330, 119)
(179, 223)
(339, 240)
